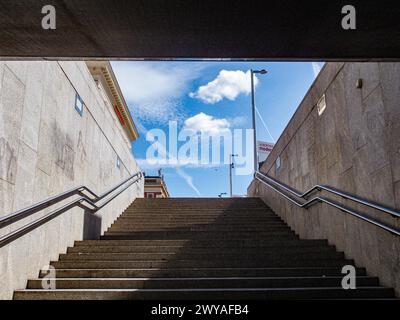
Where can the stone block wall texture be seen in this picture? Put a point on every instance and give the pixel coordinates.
(46, 148)
(353, 146)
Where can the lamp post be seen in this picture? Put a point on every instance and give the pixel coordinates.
(221, 194)
(253, 109)
(231, 166)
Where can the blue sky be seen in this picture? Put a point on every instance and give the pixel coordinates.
(211, 97)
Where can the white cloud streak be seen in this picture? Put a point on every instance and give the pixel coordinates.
(188, 179)
(154, 90)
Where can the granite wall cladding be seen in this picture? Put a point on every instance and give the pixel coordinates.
(353, 146)
(46, 148)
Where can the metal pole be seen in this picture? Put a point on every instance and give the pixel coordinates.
(230, 175)
(231, 166)
(253, 108)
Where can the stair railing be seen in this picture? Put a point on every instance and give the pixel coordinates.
(83, 201)
(301, 200)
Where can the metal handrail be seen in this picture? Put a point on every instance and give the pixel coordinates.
(334, 191)
(270, 181)
(16, 216)
(26, 212)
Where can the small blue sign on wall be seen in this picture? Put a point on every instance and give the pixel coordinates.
(79, 104)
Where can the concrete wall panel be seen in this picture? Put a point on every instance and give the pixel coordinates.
(353, 146)
(46, 148)
(11, 105)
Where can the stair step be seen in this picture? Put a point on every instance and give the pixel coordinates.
(96, 264)
(195, 218)
(197, 250)
(207, 294)
(202, 226)
(205, 243)
(265, 257)
(197, 212)
(193, 237)
(187, 283)
(166, 221)
(206, 221)
(200, 208)
(206, 234)
(201, 272)
(138, 228)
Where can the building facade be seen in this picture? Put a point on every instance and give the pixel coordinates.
(155, 187)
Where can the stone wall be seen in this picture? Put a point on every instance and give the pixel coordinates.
(353, 146)
(46, 148)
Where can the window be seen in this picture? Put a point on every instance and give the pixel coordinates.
(118, 163)
(321, 105)
(78, 104)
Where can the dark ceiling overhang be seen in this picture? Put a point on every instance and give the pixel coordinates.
(195, 29)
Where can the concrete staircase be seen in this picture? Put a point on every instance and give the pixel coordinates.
(201, 249)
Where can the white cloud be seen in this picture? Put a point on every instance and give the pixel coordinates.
(188, 179)
(237, 121)
(206, 124)
(228, 84)
(153, 90)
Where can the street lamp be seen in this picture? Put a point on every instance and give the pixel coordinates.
(221, 194)
(253, 106)
(231, 166)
